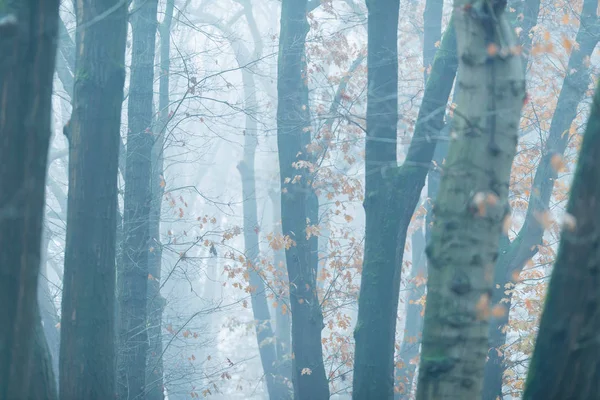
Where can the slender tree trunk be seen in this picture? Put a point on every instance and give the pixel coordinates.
(432, 32)
(391, 193)
(134, 274)
(28, 36)
(48, 312)
(299, 204)
(471, 205)
(565, 362)
(282, 314)
(432, 17)
(87, 352)
(514, 255)
(376, 325)
(276, 386)
(156, 303)
(414, 318)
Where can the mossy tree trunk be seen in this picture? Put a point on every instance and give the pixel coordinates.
(87, 352)
(28, 37)
(472, 203)
(565, 362)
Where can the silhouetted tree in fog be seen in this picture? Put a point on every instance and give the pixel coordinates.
(28, 36)
(87, 352)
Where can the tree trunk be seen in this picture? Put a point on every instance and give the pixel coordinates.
(87, 352)
(28, 36)
(471, 205)
(156, 303)
(411, 342)
(391, 193)
(514, 255)
(414, 318)
(276, 385)
(43, 379)
(134, 274)
(565, 360)
(265, 337)
(432, 32)
(282, 315)
(299, 204)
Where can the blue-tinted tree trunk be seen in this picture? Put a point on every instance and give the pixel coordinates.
(28, 36)
(133, 275)
(514, 255)
(299, 204)
(464, 240)
(391, 193)
(565, 360)
(87, 353)
(156, 303)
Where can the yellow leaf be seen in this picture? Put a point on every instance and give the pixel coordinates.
(565, 19)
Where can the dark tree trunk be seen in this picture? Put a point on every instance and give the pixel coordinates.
(391, 193)
(432, 17)
(134, 274)
(28, 36)
(376, 325)
(43, 379)
(48, 312)
(299, 205)
(565, 362)
(514, 255)
(87, 352)
(156, 303)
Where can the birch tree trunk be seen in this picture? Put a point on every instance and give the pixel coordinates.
(28, 37)
(472, 203)
(565, 362)
(87, 351)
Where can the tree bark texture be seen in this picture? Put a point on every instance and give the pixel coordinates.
(28, 38)
(565, 360)
(391, 193)
(514, 255)
(87, 352)
(134, 274)
(299, 204)
(472, 203)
